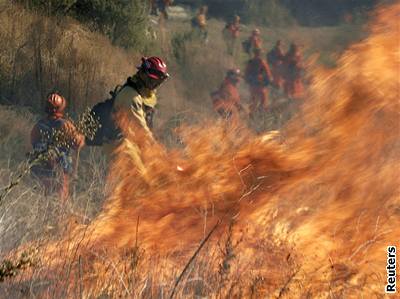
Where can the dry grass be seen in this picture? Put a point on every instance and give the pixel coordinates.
(39, 56)
(27, 216)
(25, 213)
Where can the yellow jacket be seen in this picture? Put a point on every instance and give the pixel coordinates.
(129, 100)
(150, 100)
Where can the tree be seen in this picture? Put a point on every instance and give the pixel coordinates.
(124, 21)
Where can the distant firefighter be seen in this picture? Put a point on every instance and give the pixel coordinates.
(258, 76)
(276, 59)
(153, 7)
(53, 138)
(163, 7)
(226, 100)
(231, 34)
(160, 7)
(293, 85)
(253, 42)
(199, 22)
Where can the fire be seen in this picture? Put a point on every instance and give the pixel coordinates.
(308, 211)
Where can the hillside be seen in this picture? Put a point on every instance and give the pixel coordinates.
(216, 210)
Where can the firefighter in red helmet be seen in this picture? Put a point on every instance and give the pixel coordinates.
(53, 137)
(138, 95)
(134, 101)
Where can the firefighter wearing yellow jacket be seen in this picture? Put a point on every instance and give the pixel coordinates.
(138, 95)
(136, 99)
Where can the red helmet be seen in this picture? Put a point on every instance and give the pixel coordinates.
(55, 104)
(154, 67)
(155, 70)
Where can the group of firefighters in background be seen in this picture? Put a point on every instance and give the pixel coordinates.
(137, 98)
(275, 69)
(278, 70)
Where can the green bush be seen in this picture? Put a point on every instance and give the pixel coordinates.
(124, 22)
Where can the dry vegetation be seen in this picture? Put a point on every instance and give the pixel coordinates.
(41, 53)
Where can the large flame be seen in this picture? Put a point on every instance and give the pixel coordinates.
(308, 212)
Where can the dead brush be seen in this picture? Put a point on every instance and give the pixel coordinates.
(42, 53)
(9, 268)
(132, 263)
(228, 254)
(86, 125)
(255, 285)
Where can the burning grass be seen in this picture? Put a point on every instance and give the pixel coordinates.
(307, 213)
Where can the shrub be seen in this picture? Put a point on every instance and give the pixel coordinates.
(39, 54)
(124, 22)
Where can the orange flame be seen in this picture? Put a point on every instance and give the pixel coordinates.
(326, 190)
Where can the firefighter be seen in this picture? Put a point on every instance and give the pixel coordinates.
(231, 34)
(163, 7)
(131, 104)
(276, 58)
(160, 6)
(199, 23)
(53, 138)
(293, 85)
(153, 7)
(258, 77)
(138, 94)
(253, 42)
(226, 100)
(136, 99)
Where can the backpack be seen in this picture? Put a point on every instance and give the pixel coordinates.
(102, 113)
(246, 46)
(271, 57)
